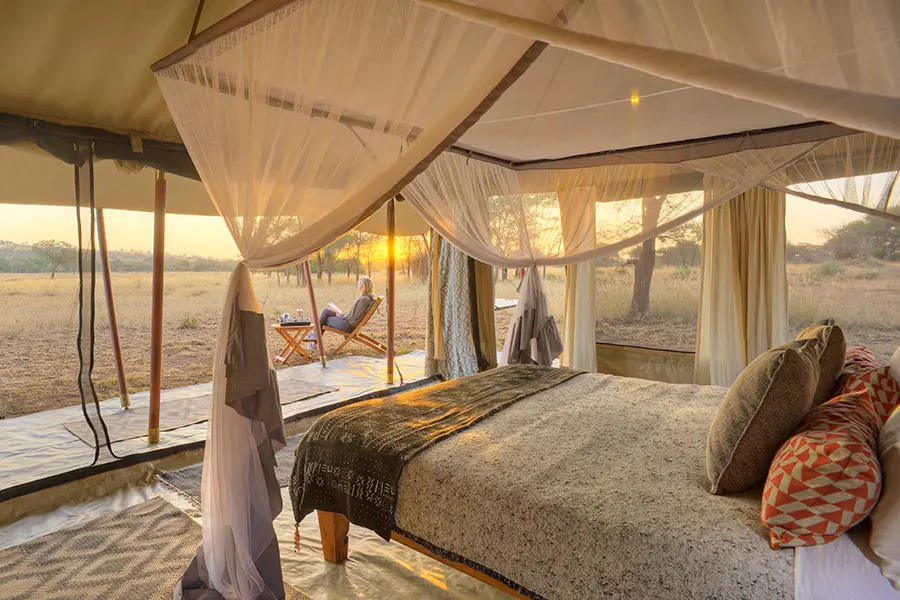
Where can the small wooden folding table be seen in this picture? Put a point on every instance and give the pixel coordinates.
(294, 338)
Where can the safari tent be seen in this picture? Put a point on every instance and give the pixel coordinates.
(613, 121)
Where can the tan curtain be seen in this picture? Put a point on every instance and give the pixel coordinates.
(481, 298)
(743, 296)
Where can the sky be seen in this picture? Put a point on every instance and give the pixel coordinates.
(208, 236)
(125, 230)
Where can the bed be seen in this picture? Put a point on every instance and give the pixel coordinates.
(592, 488)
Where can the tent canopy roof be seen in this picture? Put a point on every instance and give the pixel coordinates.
(87, 63)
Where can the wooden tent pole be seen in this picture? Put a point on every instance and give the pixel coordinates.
(156, 317)
(391, 284)
(320, 341)
(111, 309)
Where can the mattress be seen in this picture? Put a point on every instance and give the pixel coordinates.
(595, 488)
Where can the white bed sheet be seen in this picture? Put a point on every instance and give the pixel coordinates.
(844, 569)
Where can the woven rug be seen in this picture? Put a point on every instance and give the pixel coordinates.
(178, 413)
(140, 552)
(187, 480)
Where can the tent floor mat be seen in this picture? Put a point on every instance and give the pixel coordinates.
(140, 552)
(187, 480)
(177, 413)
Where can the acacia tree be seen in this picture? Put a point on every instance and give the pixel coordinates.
(57, 253)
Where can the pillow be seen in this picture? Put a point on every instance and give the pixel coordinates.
(764, 405)
(859, 359)
(879, 384)
(895, 364)
(833, 349)
(885, 538)
(826, 478)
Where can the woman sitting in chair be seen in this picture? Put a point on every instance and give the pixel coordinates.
(348, 321)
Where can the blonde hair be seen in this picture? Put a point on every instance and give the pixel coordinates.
(367, 285)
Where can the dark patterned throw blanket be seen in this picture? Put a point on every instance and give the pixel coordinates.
(350, 460)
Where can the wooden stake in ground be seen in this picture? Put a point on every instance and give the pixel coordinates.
(315, 316)
(156, 314)
(111, 309)
(391, 246)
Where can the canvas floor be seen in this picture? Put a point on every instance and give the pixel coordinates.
(38, 446)
(375, 568)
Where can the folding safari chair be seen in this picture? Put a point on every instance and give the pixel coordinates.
(357, 334)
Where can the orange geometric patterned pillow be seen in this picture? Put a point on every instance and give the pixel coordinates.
(826, 478)
(880, 385)
(859, 359)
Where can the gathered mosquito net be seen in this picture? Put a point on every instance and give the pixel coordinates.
(529, 132)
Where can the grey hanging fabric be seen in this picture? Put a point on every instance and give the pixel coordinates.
(533, 337)
(450, 351)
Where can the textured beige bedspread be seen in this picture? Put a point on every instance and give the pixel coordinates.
(595, 489)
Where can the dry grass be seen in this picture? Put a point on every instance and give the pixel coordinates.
(38, 360)
(38, 325)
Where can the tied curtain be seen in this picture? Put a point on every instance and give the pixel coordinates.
(743, 289)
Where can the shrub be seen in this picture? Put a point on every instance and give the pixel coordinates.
(683, 273)
(189, 322)
(867, 275)
(830, 269)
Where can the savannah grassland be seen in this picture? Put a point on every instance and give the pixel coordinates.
(38, 323)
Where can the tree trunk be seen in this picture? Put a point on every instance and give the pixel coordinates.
(544, 275)
(369, 269)
(52, 271)
(278, 276)
(643, 268)
(329, 277)
(504, 273)
(320, 265)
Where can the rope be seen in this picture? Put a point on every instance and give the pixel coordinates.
(81, 331)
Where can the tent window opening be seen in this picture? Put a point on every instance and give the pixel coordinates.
(846, 266)
(648, 295)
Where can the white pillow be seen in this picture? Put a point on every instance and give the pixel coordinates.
(885, 539)
(895, 364)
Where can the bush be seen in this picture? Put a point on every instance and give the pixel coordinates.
(867, 275)
(683, 273)
(831, 269)
(189, 322)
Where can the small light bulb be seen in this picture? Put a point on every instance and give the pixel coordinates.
(635, 98)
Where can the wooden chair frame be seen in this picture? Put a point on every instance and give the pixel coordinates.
(357, 335)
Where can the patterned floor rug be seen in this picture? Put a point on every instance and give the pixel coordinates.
(138, 553)
(178, 413)
(187, 480)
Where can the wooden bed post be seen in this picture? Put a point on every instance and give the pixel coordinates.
(333, 529)
(156, 318)
(315, 316)
(111, 309)
(391, 285)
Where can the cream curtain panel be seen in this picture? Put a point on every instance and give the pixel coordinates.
(743, 289)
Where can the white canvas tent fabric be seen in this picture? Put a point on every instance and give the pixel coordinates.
(303, 117)
(30, 176)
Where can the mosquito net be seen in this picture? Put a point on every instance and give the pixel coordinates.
(526, 132)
